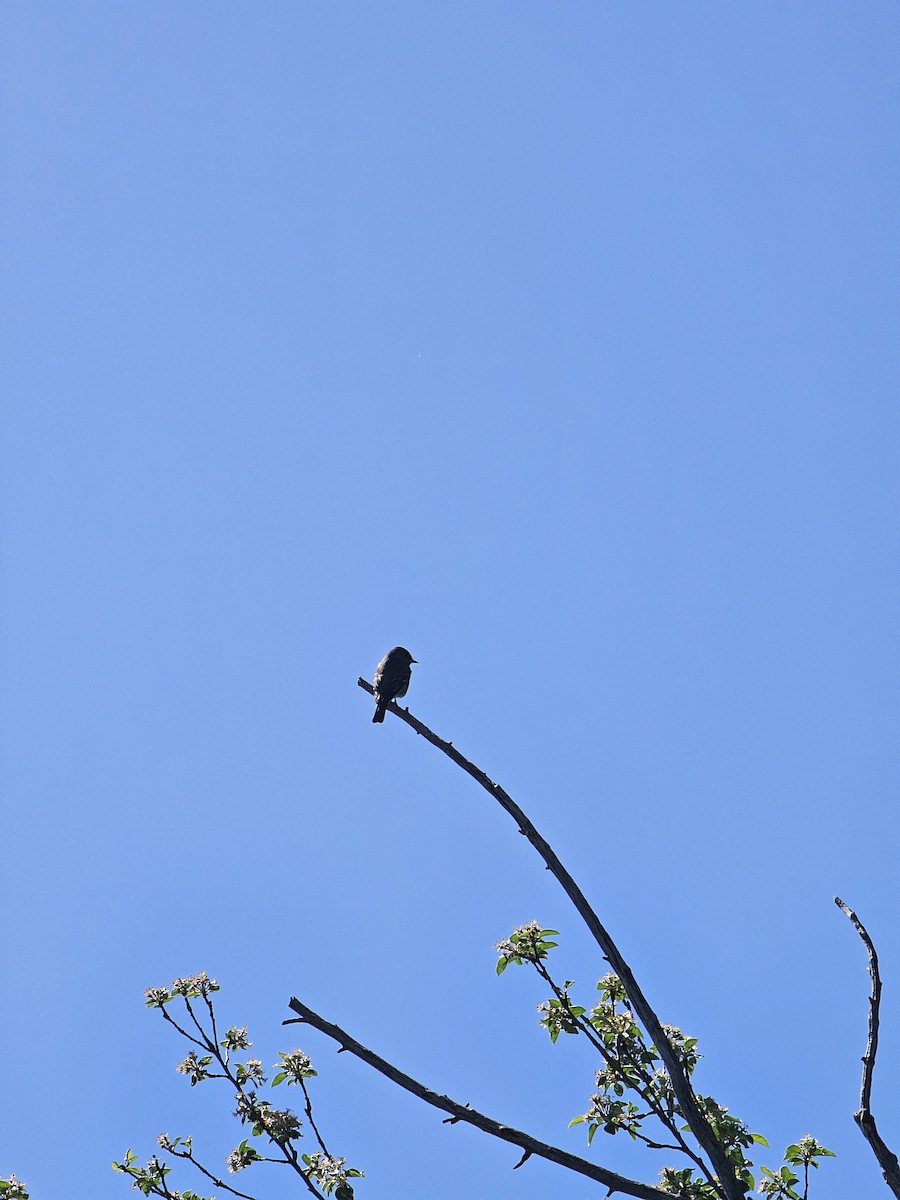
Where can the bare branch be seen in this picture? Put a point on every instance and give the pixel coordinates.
(887, 1160)
(730, 1186)
(461, 1112)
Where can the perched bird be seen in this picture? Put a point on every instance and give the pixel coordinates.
(391, 679)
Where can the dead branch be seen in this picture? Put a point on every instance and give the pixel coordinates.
(887, 1160)
(462, 1112)
(731, 1187)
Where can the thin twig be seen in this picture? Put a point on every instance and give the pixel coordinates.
(462, 1112)
(204, 1045)
(212, 1017)
(210, 1045)
(309, 1117)
(219, 1183)
(727, 1181)
(887, 1160)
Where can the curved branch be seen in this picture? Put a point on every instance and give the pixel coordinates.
(887, 1160)
(731, 1187)
(461, 1112)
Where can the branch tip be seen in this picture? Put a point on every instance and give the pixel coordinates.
(887, 1160)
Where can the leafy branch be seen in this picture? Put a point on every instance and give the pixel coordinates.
(633, 1070)
(321, 1173)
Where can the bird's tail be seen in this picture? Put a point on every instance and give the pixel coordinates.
(380, 710)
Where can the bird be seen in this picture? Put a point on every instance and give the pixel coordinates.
(391, 679)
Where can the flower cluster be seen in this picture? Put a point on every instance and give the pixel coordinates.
(167, 1143)
(236, 1039)
(612, 1115)
(559, 1015)
(250, 1072)
(527, 943)
(330, 1174)
(685, 1185)
(192, 987)
(242, 1156)
(13, 1189)
(280, 1124)
(612, 989)
(294, 1066)
(194, 1067)
(684, 1047)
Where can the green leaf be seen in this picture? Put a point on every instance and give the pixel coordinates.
(502, 964)
(279, 1078)
(759, 1139)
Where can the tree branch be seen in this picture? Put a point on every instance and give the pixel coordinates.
(642, 1087)
(462, 1112)
(730, 1185)
(887, 1160)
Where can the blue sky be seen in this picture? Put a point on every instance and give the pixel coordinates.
(556, 342)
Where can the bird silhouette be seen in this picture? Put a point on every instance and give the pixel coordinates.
(391, 679)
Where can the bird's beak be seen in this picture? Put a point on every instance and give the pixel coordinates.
(414, 660)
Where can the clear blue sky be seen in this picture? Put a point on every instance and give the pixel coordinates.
(554, 341)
